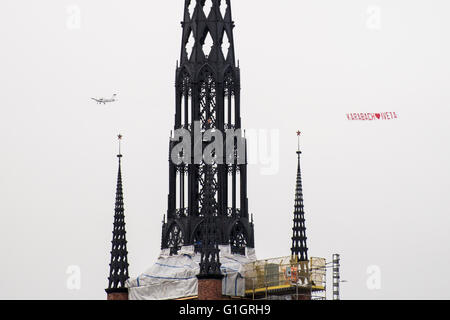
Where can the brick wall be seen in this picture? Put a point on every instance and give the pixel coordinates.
(210, 289)
(118, 296)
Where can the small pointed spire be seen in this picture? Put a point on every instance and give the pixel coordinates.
(118, 274)
(299, 248)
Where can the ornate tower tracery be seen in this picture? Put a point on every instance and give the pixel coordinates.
(207, 90)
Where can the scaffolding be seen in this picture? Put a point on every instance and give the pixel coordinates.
(285, 279)
(336, 276)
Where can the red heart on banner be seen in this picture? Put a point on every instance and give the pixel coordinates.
(378, 115)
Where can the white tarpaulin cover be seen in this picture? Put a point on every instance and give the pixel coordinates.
(173, 277)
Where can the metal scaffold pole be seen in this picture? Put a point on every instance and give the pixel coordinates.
(336, 276)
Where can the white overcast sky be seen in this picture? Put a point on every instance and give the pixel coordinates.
(375, 192)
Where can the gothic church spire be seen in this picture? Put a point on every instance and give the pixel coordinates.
(299, 248)
(118, 274)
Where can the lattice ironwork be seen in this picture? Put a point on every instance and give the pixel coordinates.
(209, 264)
(182, 169)
(208, 200)
(207, 90)
(175, 239)
(232, 169)
(181, 213)
(210, 261)
(238, 239)
(208, 116)
(234, 213)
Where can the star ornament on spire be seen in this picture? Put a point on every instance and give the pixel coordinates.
(119, 137)
(299, 133)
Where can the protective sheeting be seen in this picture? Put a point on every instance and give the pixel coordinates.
(174, 277)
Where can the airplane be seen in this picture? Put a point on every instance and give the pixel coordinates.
(105, 101)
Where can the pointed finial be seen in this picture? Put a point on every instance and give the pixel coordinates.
(299, 133)
(119, 137)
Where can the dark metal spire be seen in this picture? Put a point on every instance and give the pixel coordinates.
(299, 249)
(118, 274)
(207, 94)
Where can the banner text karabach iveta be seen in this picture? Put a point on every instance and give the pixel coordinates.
(361, 116)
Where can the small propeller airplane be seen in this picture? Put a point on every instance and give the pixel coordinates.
(105, 101)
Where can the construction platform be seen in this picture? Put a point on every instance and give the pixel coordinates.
(284, 279)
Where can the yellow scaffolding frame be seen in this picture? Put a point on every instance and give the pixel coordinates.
(283, 275)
